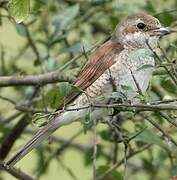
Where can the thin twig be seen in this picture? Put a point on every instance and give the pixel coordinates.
(136, 83)
(122, 161)
(165, 116)
(8, 100)
(59, 151)
(166, 12)
(80, 55)
(2, 56)
(165, 101)
(150, 120)
(10, 118)
(32, 44)
(69, 170)
(94, 148)
(159, 60)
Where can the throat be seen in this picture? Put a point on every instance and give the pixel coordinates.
(133, 41)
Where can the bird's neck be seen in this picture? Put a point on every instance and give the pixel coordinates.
(137, 40)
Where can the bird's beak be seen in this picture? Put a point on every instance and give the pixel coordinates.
(161, 31)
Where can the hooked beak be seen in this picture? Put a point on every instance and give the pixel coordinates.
(161, 31)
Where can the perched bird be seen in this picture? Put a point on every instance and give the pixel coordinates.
(117, 63)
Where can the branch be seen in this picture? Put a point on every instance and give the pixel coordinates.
(32, 43)
(126, 107)
(15, 172)
(42, 79)
(33, 80)
(10, 118)
(14, 134)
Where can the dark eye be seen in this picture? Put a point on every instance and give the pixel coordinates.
(141, 25)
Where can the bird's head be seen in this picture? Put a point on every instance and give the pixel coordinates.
(139, 29)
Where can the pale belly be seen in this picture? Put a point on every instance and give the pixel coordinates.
(135, 83)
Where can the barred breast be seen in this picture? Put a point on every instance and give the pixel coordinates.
(124, 72)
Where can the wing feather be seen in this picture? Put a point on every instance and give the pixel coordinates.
(102, 59)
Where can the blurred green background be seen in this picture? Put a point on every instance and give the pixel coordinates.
(60, 29)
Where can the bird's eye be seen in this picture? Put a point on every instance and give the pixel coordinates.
(141, 25)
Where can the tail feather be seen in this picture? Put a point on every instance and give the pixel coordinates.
(58, 121)
(37, 139)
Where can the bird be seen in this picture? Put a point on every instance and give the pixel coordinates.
(117, 63)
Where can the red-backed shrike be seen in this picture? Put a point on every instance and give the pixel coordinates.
(116, 58)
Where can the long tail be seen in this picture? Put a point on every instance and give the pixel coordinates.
(58, 121)
(35, 141)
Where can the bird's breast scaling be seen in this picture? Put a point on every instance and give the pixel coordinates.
(120, 75)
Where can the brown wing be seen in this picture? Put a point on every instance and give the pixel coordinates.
(98, 63)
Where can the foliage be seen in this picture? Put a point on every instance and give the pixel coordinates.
(19, 9)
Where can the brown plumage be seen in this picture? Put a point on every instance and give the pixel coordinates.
(101, 60)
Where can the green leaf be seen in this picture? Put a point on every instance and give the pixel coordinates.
(65, 88)
(54, 98)
(51, 64)
(125, 87)
(3, 132)
(145, 66)
(89, 154)
(76, 48)
(39, 119)
(41, 165)
(166, 19)
(21, 30)
(143, 98)
(114, 175)
(174, 170)
(38, 6)
(167, 84)
(118, 96)
(105, 135)
(66, 17)
(173, 45)
(87, 122)
(115, 94)
(147, 165)
(100, 98)
(127, 91)
(140, 53)
(19, 9)
(98, 2)
(148, 136)
(149, 7)
(75, 89)
(162, 156)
